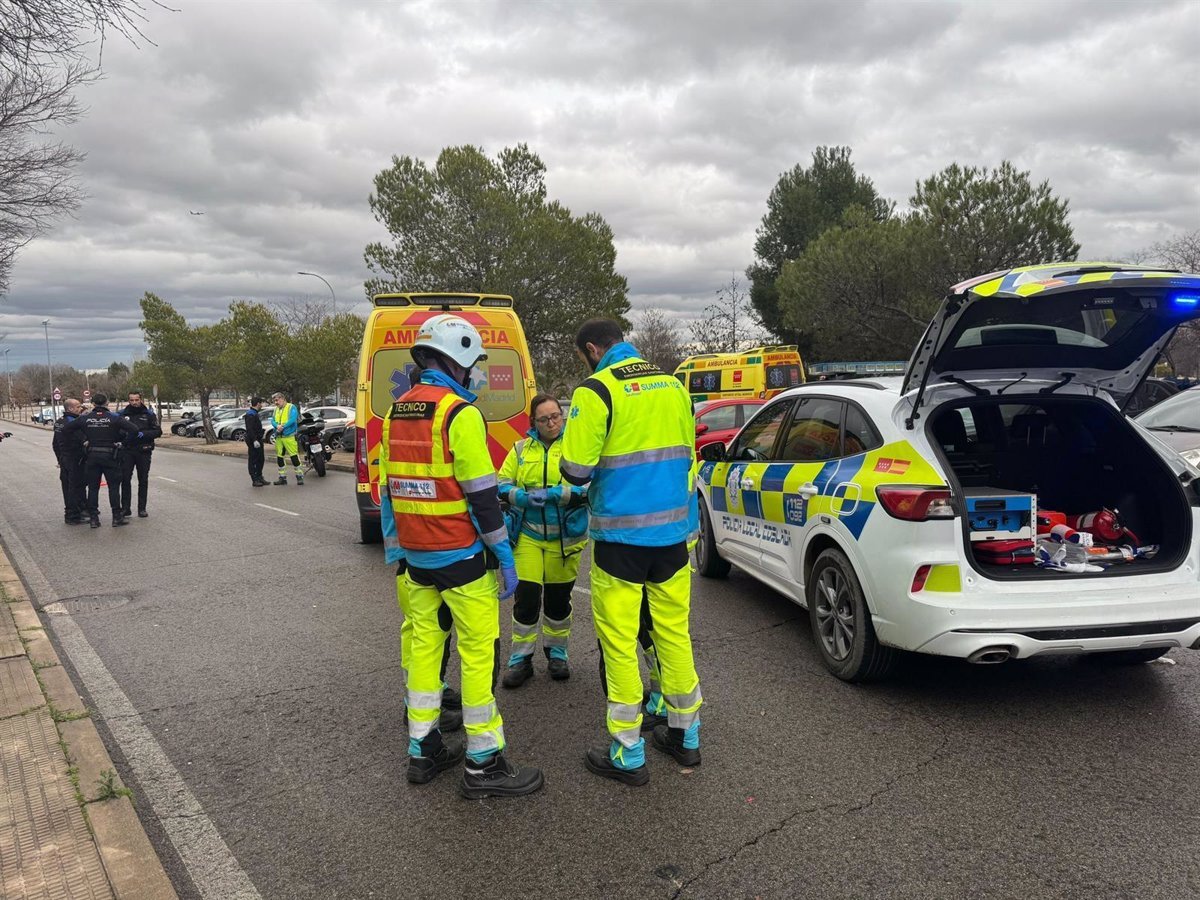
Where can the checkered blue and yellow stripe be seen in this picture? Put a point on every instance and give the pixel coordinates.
(846, 488)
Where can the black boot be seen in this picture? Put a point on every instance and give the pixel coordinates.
(126, 513)
(119, 520)
(598, 762)
(499, 778)
(449, 720)
(142, 514)
(519, 674)
(670, 740)
(435, 757)
(558, 669)
(94, 520)
(451, 699)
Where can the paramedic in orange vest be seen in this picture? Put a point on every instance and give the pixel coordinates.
(443, 491)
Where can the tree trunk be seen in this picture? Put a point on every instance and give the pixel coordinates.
(210, 435)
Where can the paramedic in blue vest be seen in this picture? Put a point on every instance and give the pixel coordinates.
(287, 423)
(631, 433)
(551, 539)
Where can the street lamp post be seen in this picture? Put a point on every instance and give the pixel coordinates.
(337, 389)
(8, 375)
(50, 369)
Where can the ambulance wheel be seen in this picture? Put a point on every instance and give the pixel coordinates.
(370, 531)
(1127, 657)
(708, 561)
(841, 622)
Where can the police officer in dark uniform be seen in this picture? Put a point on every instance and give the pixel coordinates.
(136, 454)
(103, 434)
(69, 451)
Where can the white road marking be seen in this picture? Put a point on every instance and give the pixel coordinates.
(286, 512)
(212, 866)
(165, 478)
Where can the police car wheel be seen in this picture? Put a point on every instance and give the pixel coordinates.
(708, 561)
(841, 621)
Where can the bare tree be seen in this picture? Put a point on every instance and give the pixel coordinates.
(658, 339)
(299, 313)
(1180, 252)
(44, 46)
(730, 325)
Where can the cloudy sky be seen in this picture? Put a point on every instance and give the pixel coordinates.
(673, 120)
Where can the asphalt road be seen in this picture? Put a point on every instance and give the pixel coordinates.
(261, 731)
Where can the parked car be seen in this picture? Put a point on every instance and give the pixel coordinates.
(195, 426)
(44, 416)
(1176, 422)
(1151, 392)
(915, 514)
(331, 415)
(234, 429)
(720, 420)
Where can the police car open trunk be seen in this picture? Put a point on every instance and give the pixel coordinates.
(1019, 383)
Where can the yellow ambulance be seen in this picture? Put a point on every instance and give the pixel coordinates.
(761, 373)
(504, 381)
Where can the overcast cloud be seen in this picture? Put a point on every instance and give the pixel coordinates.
(672, 120)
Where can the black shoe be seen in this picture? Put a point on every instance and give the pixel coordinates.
(599, 763)
(450, 720)
(558, 669)
(299, 479)
(650, 721)
(670, 740)
(519, 674)
(118, 521)
(259, 483)
(435, 757)
(451, 699)
(280, 481)
(74, 521)
(142, 514)
(94, 521)
(126, 513)
(499, 778)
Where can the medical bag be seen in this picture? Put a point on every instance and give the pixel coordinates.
(994, 514)
(1004, 553)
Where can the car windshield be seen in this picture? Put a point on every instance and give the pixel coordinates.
(1178, 413)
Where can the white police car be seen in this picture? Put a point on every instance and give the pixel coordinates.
(905, 513)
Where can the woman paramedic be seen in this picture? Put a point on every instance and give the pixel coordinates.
(552, 532)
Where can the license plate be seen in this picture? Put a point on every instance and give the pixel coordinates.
(315, 448)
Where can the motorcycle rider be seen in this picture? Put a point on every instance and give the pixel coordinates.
(103, 433)
(69, 452)
(136, 455)
(287, 423)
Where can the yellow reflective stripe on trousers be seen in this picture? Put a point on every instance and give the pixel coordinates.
(555, 632)
(625, 723)
(683, 710)
(484, 728)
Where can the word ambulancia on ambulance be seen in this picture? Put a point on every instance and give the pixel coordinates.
(994, 503)
(504, 381)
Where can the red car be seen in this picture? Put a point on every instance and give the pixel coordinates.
(720, 420)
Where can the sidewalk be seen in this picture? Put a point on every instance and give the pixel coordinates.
(67, 826)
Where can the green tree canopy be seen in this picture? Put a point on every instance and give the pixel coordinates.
(984, 219)
(476, 224)
(866, 288)
(802, 205)
(197, 356)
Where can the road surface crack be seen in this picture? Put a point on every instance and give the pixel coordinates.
(912, 771)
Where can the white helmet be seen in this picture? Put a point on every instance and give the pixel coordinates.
(452, 336)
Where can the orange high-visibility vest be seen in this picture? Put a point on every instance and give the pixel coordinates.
(429, 504)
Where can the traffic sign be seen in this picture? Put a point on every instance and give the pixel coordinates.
(87, 395)
(57, 395)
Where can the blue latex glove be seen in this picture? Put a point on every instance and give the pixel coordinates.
(508, 581)
(538, 497)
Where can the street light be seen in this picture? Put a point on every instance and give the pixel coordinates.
(8, 374)
(337, 389)
(50, 369)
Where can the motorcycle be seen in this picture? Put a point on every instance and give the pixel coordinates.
(308, 441)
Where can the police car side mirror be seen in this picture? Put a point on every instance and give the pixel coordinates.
(714, 452)
(701, 428)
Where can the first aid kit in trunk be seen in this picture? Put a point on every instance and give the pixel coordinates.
(994, 514)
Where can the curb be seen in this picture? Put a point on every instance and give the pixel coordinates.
(130, 863)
